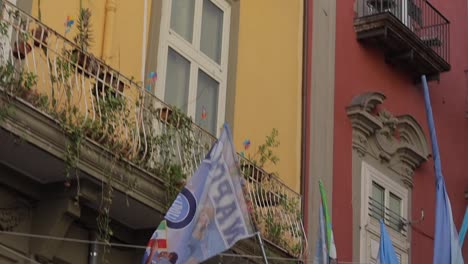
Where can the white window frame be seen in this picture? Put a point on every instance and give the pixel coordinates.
(369, 225)
(198, 60)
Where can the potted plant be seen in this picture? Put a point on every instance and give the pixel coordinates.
(87, 63)
(264, 155)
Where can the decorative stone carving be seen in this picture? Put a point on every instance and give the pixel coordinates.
(11, 217)
(399, 142)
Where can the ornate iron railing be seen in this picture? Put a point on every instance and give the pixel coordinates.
(87, 96)
(392, 219)
(419, 16)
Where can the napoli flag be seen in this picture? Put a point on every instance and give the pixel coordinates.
(387, 253)
(208, 216)
(446, 245)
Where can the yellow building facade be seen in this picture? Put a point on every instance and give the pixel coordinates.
(261, 70)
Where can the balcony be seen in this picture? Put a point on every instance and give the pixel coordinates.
(413, 35)
(82, 117)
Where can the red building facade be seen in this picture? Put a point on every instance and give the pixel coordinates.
(364, 67)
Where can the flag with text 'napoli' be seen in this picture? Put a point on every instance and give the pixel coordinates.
(208, 216)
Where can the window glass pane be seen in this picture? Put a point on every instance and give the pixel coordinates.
(395, 212)
(207, 102)
(395, 204)
(212, 31)
(177, 80)
(378, 201)
(182, 12)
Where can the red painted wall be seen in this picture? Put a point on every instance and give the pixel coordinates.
(360, 69)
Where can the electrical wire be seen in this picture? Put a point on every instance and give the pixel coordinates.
(82, 241)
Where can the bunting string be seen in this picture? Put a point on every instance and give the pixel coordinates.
(82, 241)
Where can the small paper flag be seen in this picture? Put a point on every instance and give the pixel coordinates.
(153, 76)
(246, 144)
(203, 114)
(68, 24)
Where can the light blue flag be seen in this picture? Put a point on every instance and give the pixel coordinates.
(387, 253)
(446, 246)
(463, 228)
(208, 216)
(321, 255)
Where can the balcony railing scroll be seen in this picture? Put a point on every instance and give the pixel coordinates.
(82, 93)
(419, 16)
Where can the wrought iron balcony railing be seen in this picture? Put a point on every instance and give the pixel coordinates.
(419, 16)
(88, 98)
(392, 219)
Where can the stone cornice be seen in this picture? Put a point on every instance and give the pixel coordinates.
(397, 141)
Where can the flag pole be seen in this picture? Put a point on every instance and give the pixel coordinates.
(263, 247)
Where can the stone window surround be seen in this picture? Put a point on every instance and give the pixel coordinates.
(395, 145)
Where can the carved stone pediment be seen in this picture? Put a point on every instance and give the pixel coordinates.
(397, 141)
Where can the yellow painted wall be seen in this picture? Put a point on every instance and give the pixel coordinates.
(269, 79)
(126, 50)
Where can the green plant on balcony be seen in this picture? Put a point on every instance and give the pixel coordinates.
(162, 157)
(14, 80)
(264, 155)
(274, 228)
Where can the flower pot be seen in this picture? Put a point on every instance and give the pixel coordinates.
(252, 172)
(106, 80)
(21, 49)
(25, 94)
(164, 114)
(40, 36)
(88, 65)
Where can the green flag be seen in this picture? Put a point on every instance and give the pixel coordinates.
(330, 240)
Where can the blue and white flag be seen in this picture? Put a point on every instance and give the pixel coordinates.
(446, 246)
(321, 253)
(208, 216)
(387, 253)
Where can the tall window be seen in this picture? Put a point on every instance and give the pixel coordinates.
(382, 198)
(192, 60)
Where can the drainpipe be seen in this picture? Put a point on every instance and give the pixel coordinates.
(143, 51)
(109, 21)
(93, 249)
(305, 110)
